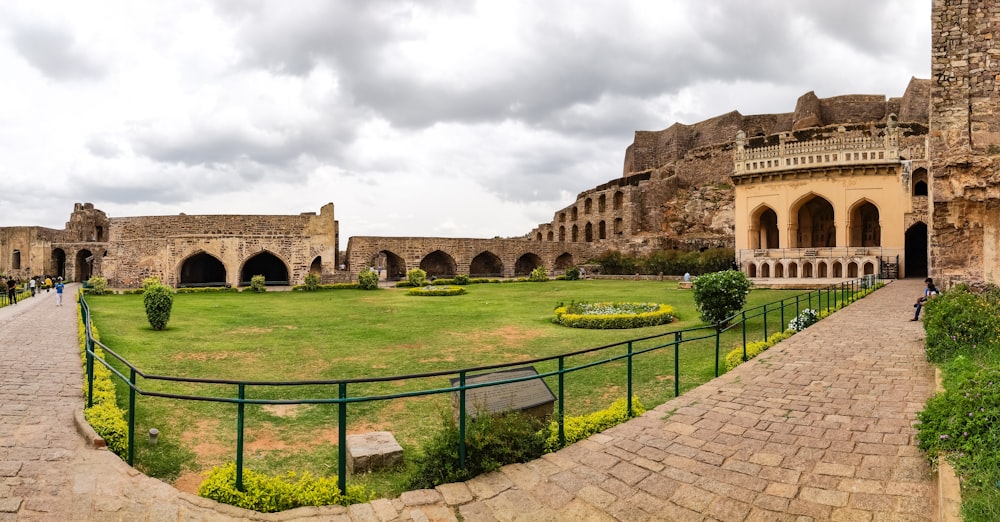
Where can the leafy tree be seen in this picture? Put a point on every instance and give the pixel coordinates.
(719, 295)
(368, 279)
(158, 300)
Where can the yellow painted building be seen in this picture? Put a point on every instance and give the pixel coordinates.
(838, 203)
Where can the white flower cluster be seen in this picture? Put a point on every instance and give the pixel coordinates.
(805, 319)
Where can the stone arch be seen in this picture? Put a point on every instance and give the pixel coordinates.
(395, 266)
(439, 264)
(765, 270)
(588, 232)
(915, 247)
(764, 228)
(575, 233)
(852, 269)
(15, 260)
(562, 217)
(264, 263)
(807, 269)
(602, 230)
(618, 226)
(564, 261)
(202, 269)
(793, 269)
(486, 264)
(619, 200)
(779, 270)
(538, 236)
(919, 182)
(838, 269)
(526, 263)
(588, 206)
(562, 233)
(550, 236)
(868, 268)
(316, 267)
(864, 229)
(813, 222)
(58, 260)
(751, 270)
(602, 203)
(821, 269)
(573, 214)
(84, 265)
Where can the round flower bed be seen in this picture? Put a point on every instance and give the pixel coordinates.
(436, 290)
(614, 315)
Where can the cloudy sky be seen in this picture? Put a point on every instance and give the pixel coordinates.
(453, 118)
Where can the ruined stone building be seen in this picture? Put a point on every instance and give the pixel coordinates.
(180, 250)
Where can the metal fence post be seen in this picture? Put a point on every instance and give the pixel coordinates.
(677, 364)
(461, 420)
(562, 409)
(628, 401)
(342, 439)
(744, 324)
(241, 393)
(131, 417)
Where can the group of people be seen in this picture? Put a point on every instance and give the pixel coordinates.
(35, 286)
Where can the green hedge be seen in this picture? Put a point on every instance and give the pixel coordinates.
(107, 419)
(437, 291)
(268, 494)
(735, 357)
(331, 286)
(576, 315)
(581, 427)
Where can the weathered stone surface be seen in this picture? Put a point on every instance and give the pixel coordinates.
(372, 451)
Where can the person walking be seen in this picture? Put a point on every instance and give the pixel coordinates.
(12, 290)
(31, 286)
(59, 293)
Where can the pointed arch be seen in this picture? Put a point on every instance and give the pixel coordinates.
(526, 263)
(564, 261)
(439, 264)
(864, 227)
(764, 228)
(267, 264)
(486, 264)
(812, 222)
(202, 269)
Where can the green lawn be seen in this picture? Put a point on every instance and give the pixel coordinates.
(285, 336)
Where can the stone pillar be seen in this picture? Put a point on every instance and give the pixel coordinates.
(964, 143)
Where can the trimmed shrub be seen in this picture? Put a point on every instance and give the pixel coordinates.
(735, 357)
(609, 315)
(416, 277)
(578, 428)
(461, 279)
(539, 275)
(202, 290)
(258, 284)
(98, 285)
(150, 281)
(107, 419)
(491, 441)
(368, 279)
(312, 282)
(159, 301)
(278, 493)
(719, 295)
(572, 273)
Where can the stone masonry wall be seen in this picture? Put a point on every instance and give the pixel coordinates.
(965, 142)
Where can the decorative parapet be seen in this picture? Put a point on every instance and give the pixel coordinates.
(843, 150)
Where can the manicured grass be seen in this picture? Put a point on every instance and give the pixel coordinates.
(286, 336)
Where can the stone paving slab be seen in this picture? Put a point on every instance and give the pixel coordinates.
(817, 428)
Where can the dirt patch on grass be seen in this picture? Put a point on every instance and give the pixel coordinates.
(213, 356)
(283, 410)
(189, 482)
(251, 330)
(202, 441)
(510, 336)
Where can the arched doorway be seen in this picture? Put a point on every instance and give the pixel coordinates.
(58, 268)
(865, 228)
(764, 231)
(84, 265)
(268, 265)
(525, 264)
(439, 264)
(564, 261)
(202, 270)
(815, 227)
(316, 267)
(486, 264)
(916, 250)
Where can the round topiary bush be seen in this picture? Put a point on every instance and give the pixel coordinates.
(436, 290)
(613, 315)
(158, 300)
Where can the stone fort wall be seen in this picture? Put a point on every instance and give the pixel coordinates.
(965, 143)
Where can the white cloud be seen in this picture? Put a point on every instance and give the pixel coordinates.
(434, 118)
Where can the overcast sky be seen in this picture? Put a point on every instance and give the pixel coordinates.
(446, 118)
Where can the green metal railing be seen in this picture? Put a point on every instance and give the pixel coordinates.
(829, 298)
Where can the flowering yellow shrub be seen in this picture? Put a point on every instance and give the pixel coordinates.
(607, 316)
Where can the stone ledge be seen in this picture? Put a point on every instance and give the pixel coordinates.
(87, 431)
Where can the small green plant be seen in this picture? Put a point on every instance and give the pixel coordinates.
(98, 285)
(461, 279)
(270, 494)
(437, 290)
(258, 284)
(312, 282)
(159, 301)
(416, 277)
(961, 322)
(581, 427)
(491, 441)
(735, 357)
(573, 273)
(150, 281)
(539, 275)
(719, 295)
(368, 279)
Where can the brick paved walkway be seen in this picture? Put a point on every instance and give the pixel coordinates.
(817, 428)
